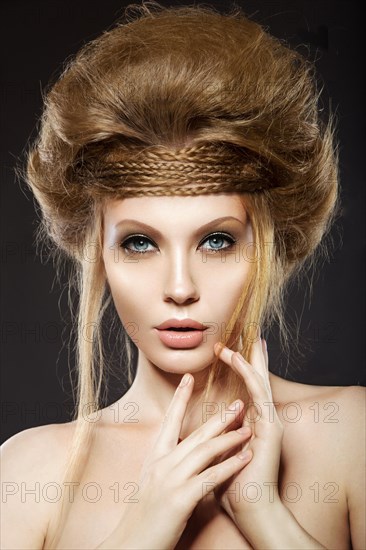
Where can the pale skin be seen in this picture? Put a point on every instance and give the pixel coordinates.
(171, 511)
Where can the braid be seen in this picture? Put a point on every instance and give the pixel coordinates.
(195, 170)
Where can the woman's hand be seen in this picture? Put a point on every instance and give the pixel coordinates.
(254, 489)
(175, 477)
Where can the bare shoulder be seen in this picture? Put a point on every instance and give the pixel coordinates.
(325, 439)
(333, 418)
(352, 430)
(352, 458)
(39, 435)
(38, 450)
(31, 467)
(344, 399)
(348, 404)
(352, 399)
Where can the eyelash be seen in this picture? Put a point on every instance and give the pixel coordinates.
(211, 251)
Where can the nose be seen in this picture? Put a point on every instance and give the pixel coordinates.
(179, 285)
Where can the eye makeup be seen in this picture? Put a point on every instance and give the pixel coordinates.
(217, 235)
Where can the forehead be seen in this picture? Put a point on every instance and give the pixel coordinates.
(166, 207)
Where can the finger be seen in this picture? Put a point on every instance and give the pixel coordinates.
(215, 426)
(211, 478)
(262, 406)
(254, 381)
(264, 351)
(205, 453)
(237, 422)
(258, 361)
(172, 423)
(256, 357)
(243, 445)
(265, 355)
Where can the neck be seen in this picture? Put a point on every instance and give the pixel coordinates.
(153, 390)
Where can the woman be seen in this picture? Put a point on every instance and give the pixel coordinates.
(189, 178)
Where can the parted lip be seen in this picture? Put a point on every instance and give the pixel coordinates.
(181, 323)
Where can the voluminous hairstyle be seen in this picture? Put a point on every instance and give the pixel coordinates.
(176, 79)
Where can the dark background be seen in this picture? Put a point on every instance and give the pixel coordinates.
(36, 38)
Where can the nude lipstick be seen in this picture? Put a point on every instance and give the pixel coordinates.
(181, 333)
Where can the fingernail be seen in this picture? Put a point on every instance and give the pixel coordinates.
(234, 405)
(185, 380)
(244, 430)
(244, 456)
(218, 347)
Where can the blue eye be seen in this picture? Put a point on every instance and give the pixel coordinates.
(141, 243)
(219, 238)
(140, 240)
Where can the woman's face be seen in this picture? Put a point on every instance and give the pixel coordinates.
(176, 258)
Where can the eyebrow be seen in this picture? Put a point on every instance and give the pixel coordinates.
(205, 227)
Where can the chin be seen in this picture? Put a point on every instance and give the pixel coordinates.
(180, 361)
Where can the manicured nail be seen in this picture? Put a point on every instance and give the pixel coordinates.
(244, 456)
(244, 430)
(218, 347)
(185, 380)
(235, 405)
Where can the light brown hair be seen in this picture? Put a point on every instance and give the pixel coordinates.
(178, 78)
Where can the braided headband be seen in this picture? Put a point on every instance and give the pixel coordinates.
(202, 169)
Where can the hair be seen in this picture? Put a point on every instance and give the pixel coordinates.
(176, 80)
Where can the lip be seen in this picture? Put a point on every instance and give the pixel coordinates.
(181, 323)
(181, 339)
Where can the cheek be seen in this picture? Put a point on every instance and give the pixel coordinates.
(223, 305)
(130, 292)
(226, 279)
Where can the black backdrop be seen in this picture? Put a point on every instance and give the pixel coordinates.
(37, 37)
